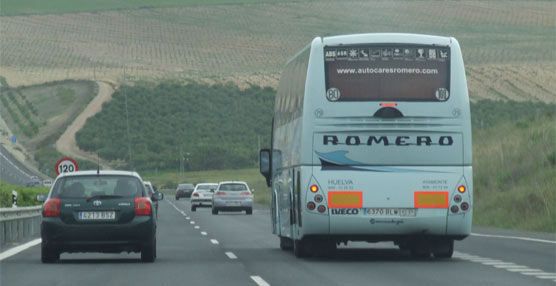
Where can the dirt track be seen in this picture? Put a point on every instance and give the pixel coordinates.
(66, 144)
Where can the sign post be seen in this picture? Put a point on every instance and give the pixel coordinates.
(66, 165)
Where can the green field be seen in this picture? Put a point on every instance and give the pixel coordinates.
(508, 46)
(18, 7)
(26, 196)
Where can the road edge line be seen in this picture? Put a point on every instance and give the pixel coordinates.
(513, 237)
(15, 250)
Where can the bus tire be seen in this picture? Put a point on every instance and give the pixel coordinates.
(444, 249)
(300, 249)
(286, 243)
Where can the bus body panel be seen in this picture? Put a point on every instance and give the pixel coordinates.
(389, 174)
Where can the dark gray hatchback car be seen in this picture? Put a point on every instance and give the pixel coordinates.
(98, 211)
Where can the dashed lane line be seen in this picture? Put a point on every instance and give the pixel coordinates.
(203, 233)
(192, 222)
(509, 266)
(259, 280)
(214, 241)
(231, 255)
(197, 227)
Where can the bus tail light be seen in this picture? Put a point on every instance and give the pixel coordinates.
(318, 198)
(314, 188)
(454, 209)
(311, 206)
(321, 209)
(52, 207)
(461, 189)
(464, 206)
(142, 206)
(457, 198)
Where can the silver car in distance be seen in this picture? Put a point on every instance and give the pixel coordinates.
(232, 196)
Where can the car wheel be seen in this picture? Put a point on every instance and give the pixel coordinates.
(49, 255)
(193, 208)
(249, 211)
(177, 198)
(148, 253)
(214, 211)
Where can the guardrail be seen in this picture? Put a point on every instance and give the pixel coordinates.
(19, 224)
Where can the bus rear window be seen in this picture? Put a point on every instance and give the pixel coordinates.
(387, 73)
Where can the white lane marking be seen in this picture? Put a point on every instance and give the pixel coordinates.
(214, 241)
(509, 266)
(192, 222)
(15, 250)
(231, 255)
(260, 281)
(524, 269)
(203, 233)
(514, 237)
(187, 218)
(197, 227)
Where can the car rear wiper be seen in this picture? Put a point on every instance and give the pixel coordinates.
(103, 197)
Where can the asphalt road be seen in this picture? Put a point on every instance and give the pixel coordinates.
(11, 170)
(198, 248)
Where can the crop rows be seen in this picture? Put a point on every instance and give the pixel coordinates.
(22, 115)
(251, 42)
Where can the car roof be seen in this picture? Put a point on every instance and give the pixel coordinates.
(233, 182)
(204, 184)
(147, 183)
(101, 173)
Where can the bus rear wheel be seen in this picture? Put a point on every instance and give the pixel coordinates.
(286, 243)
(300, 249)
(443, 249)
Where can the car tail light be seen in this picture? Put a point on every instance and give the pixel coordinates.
(311, 206)
(321, 209)
(454, 209)
(314, 188)
(318, 198)
(220, 193)
(461, 189)
(142, 206)
(245, 193)
(457, 198)
(464, 206)
(195, 194)
(52, 207)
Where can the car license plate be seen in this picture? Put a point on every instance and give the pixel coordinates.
(108, 215)
(391, 212)
(233, 204)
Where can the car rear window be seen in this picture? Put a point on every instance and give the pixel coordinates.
(76, 187)
(206, 187)
(186, 187)
(233, 187)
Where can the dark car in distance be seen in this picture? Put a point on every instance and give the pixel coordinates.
(184, 191)
(98, 211)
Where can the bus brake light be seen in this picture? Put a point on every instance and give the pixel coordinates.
(461, 189)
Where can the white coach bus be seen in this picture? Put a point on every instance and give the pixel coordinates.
(371, 141)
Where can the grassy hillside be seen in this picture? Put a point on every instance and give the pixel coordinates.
(508, 46)
(210, 127)
(26, 195)
(17, 7)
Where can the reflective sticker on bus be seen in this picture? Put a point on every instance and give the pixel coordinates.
(431, 199)
(345, 199)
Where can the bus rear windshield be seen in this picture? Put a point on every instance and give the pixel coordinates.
(387, 73)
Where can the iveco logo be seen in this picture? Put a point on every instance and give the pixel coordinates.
(97, 203)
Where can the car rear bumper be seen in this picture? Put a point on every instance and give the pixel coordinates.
(96, 237)
(184, 194)
(201, 202)
(224, 205)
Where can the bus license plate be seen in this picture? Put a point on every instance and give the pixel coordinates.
(391, 212)
(108, 215)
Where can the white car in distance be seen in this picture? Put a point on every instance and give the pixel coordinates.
(202, 195)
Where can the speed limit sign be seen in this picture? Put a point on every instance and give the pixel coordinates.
(66, 165)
